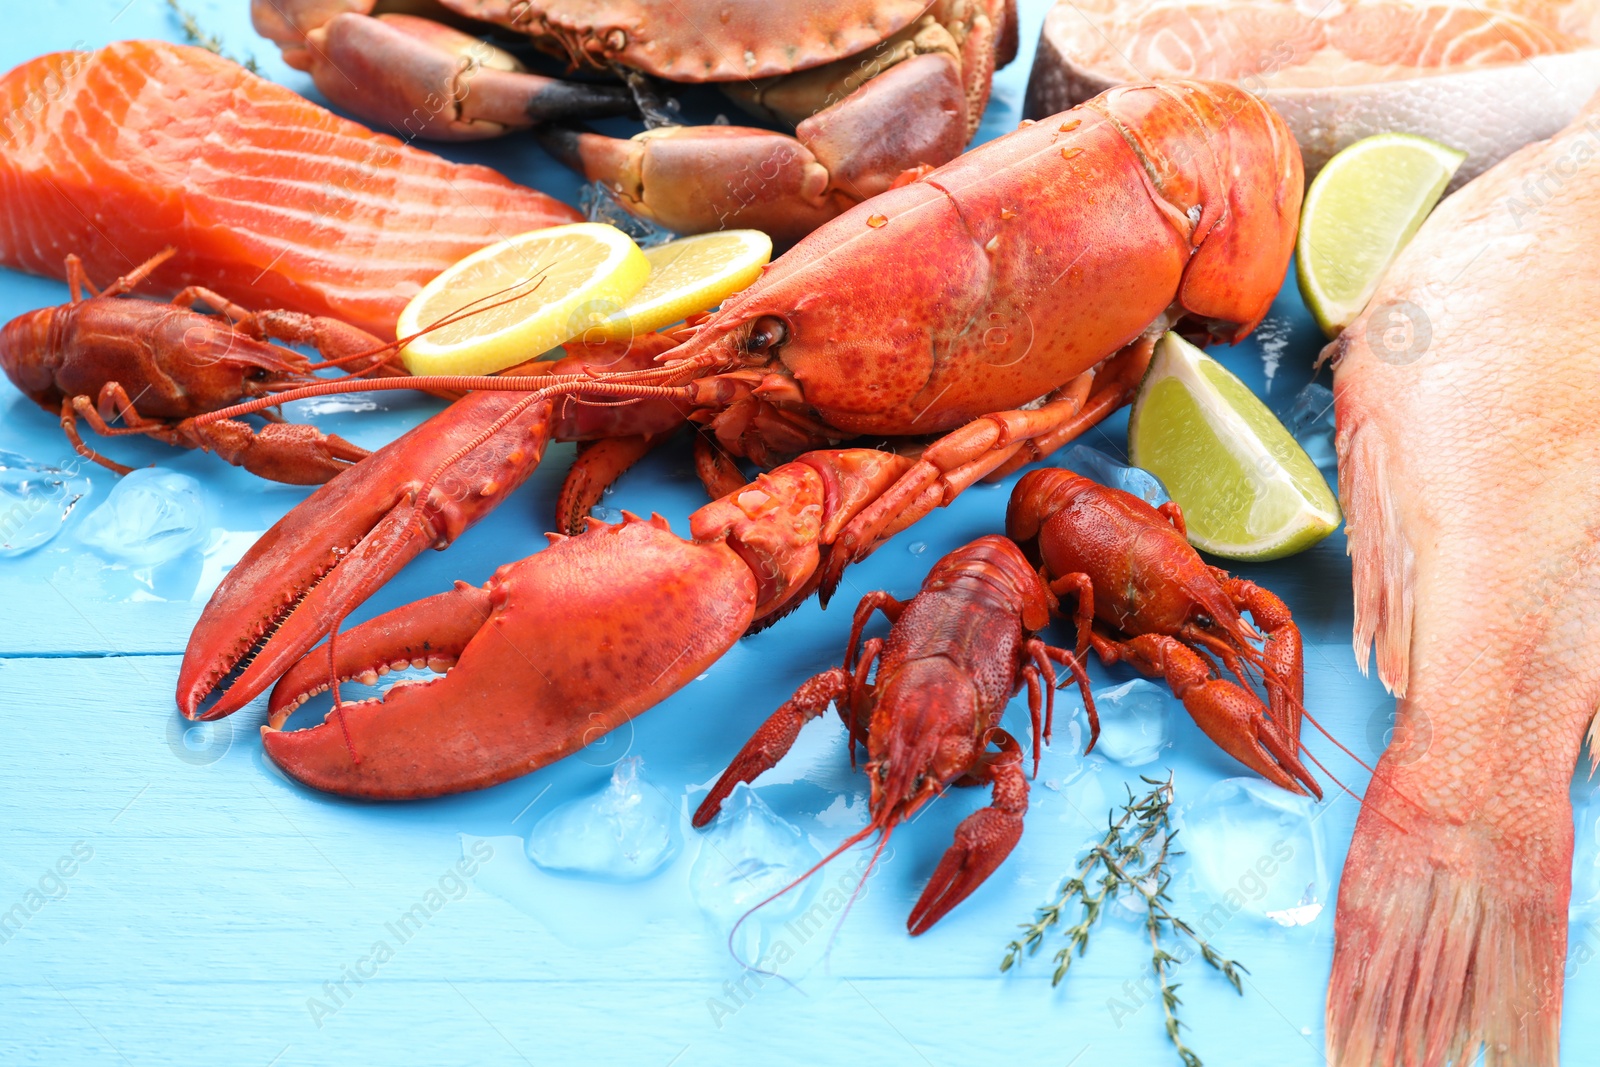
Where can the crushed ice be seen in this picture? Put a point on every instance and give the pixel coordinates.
(1260, 849)
(151, 516)
(1310, 420)
(1097, 466)
(623, 833)
(36, 500)
(747, 855)
(1135, 721)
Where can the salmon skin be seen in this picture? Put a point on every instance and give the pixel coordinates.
(269, 199)
(1468, 458)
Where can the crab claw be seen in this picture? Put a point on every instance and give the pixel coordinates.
(557, 650)
(350, 537)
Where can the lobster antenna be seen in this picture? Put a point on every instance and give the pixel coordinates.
(814, 868)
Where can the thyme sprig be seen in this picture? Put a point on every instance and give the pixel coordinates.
(209, 41)
(1132, 857)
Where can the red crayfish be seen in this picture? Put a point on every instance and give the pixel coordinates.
(1145, 597)
(157, 366)
(955, 654)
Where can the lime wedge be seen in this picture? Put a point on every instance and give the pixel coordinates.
(1247, 489)
(1359, 213)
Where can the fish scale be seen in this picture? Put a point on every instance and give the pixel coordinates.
(1467, 455)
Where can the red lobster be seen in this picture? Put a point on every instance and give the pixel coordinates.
(1040, 264)
(956, 654)
(83, 358)
(1145, 598)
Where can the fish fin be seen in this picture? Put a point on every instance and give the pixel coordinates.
(1445, 941)
(1382, 562)
(1591, 741)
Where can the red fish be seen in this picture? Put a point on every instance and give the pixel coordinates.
(270, 200)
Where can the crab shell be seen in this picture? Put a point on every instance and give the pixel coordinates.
(701, 40)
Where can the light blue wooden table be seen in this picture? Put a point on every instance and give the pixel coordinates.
(181, 902)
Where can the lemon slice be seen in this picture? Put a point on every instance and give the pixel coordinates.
(687, 276)
(1359, 213)
(507, 303)
(1247, 488)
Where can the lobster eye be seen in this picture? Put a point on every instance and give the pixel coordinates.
(916, 787)
(768, 332)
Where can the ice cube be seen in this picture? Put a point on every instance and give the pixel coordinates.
(1135, 721)
(1310, 420)
(747, 855)
(1259, 849)
(1097, 466)
(35, 501)
(623, 833)
(150, 516)
(1585, 903)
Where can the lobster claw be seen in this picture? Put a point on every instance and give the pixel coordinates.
(557, 650)
(350, 537)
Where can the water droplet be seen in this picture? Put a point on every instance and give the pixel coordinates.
(1135, 721)
(1070, 125)
(917, 548)
(1007, 214)
(623, 833)
(35, 501)
(1310, 420)
(151, 516)
(1099, 467)
(992, 245)
(1069, 153)
(1024, 124)
(1253, 842)
(876, 221)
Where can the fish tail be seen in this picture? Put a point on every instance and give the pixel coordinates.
(1449, 938)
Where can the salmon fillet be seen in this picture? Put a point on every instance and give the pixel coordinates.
(269, 199)
(1469, 448)
(1485, 76)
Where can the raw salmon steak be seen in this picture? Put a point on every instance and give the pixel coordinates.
(1468, 459)
(1484, 76)
(269, 199)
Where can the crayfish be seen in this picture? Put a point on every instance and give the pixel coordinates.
(1145, 597)
(955, 654)
(157, 366)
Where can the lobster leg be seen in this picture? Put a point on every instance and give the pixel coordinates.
(1231, 716)
(597, 466)
(947, 467)
(717, 470)
(983, 840)
(69, 427)
(776, 736)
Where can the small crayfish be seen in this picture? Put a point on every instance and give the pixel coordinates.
(157, 366)
(955, 654)
(1145, 597)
